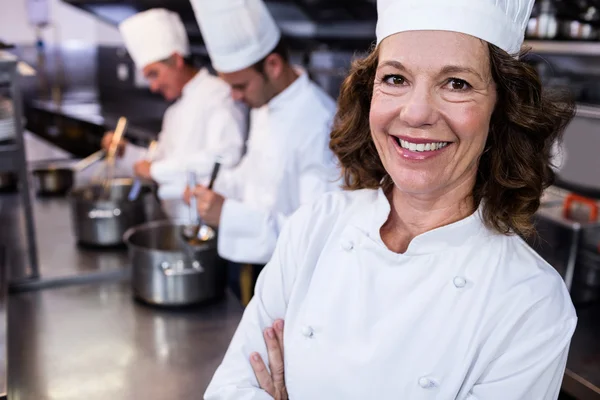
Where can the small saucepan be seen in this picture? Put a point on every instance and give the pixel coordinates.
(57, 181)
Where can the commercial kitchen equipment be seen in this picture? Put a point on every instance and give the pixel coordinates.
(167, 271)
(102, 221)
(12, 154)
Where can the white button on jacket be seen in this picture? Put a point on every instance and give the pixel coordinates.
(395, 326)
(287, 164)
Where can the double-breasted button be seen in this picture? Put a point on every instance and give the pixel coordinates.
(347, 245)
(459, 282)
(426, 382)
(307, 331)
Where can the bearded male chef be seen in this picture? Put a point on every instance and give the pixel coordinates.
(288, 162)
(202, 123)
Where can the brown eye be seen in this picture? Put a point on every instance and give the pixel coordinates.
(394, 80)
(458, 84)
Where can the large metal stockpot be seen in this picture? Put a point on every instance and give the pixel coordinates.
(100, 220)
(167, 271)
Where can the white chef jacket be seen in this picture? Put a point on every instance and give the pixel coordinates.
(288, 163)
(464, 313)
(203, 123)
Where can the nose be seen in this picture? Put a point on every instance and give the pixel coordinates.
(154, 87)
(418, 110)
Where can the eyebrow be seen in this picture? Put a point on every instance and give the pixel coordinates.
(448, 69)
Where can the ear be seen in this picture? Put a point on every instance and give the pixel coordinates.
(273, 66)
(178, 60)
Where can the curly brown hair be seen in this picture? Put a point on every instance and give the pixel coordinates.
(514, 169)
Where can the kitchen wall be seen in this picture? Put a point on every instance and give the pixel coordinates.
(67, 63)
(69, 26)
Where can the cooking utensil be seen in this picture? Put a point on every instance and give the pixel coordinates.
(54, 180)
(190, 230)
(101, 221)
(197, 231)
(165, 271)
(111, 155)
(137, 184)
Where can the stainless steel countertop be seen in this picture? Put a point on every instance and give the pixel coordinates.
(94, 342)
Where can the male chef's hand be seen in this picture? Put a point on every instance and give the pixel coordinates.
(274, 382)
(142, 169)
(209, 205)
(107, 138)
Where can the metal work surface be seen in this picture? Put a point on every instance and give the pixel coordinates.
(94, 342)
(59, 254)
(583, 367)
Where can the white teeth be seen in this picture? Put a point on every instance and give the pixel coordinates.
(420, 147)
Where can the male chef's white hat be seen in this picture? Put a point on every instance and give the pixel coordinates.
(237, 33)
(154, 35)
(499, 22)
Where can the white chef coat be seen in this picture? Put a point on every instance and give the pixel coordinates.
(203, 123)
(464, 313)
(288, 163)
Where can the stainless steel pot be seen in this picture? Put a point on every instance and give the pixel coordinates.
(53, 180)
(166, 272)
(102, 221)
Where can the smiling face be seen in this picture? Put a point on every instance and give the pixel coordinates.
(432, 102)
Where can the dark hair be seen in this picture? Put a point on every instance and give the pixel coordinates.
(187, 60)
(516, 165)
(281, 49)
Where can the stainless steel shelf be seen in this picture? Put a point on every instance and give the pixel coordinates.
(567, 48)
(13, 158)
(7, 66)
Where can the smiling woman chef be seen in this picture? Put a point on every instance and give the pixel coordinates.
(414, 284)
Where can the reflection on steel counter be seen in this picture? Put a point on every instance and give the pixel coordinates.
(92, 342)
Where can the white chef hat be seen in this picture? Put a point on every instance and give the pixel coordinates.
(499, 22)
(154, 35)
(237, 33)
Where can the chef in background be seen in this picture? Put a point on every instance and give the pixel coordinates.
(288, 162)
(202, 123)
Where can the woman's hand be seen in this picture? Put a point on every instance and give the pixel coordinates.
(274, 382)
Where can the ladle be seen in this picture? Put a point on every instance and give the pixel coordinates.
(197, 231)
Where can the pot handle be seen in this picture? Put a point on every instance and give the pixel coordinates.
(180, 267)
(88, 161)
(577, 199)
(104, 214)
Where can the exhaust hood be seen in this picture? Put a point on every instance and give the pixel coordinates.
(307, 24)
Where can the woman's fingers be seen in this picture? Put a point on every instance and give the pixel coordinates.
(262, 374)
(275, 353)
(278, 326)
